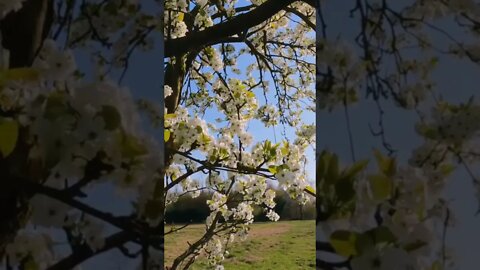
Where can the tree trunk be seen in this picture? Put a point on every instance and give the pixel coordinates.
(23, 33)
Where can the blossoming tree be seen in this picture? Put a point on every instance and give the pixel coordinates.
(395, 216)
(207, 42)
(65, 129)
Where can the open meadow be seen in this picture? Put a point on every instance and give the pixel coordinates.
(270, 245)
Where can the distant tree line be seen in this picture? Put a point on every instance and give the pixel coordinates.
(195, 210)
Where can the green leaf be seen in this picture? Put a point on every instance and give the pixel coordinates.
(267, 145)
(332, 171)
(205, 139)
(18, 74)
(356, 168)
(437, 265)
(55, 106)
(447, 169)
(111, 116)
(344, 242)
(383, 234)
(430, 133)
(209, 51)
(414, 246)
(386, 164)
(381, 186)
(30, 264)
(181, 15)
(8, 136)
(166, 135)
(282, 167)
(285, 149)
(378, 156)
(131, 147)
(170, 115)
(272, 169)
(310, 189)
(389, 167)
(273, 152)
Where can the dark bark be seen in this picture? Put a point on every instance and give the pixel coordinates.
(84, 252)
(23, 31)
(22, 34)
(218, 32)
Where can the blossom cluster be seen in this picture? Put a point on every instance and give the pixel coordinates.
(96, 124)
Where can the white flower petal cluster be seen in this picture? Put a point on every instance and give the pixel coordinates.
(48, 212)
(8, 6)
(53, 63)
(215, 252)
(32, 246)
(92, 232)
(243, 212)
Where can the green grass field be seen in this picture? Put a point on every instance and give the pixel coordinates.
(279, 245)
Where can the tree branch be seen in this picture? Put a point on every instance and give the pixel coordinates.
(23, 31)
(84, 252)
(220, 31)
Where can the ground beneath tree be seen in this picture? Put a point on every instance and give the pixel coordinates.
(279, 245)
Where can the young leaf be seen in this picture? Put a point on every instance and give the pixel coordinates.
(381, 186)
(111, 117)
(30, 264)
(447, 169)
(344, 242)
(378, 155)
(414, 245)
(310, 189)
(55, 106)
(272, 169)
(166, 135)
(181, 15)
(285, 148)
(389, 167)
(18, 74)
(131, 147)
(356, 168)
(170, 115)
(332, 171)
(386, 164)
(383, 234)
(250, 94)
(8, 136)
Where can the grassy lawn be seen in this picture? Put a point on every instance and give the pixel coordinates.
(279, 245)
